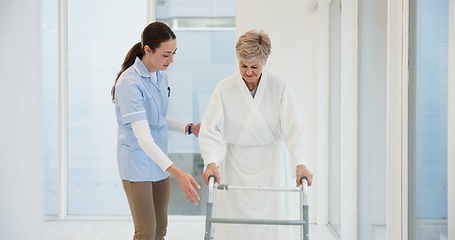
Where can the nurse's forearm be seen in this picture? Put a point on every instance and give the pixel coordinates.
(176, 125)
(145, 140)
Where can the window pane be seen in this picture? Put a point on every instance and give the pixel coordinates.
(206, 55)
(428, 118)
(204, 58)
(100, 33)
(49, 43)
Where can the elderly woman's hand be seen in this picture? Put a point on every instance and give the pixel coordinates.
(195, 129)
(211, 170)
(302, 171)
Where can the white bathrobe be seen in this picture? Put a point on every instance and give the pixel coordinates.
(243, 136)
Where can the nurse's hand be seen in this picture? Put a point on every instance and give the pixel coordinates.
(186, 183)
(302, 171)
(211, 170)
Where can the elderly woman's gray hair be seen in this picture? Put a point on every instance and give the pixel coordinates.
(253, 44)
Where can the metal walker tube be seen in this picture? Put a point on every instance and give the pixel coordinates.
(303, 189)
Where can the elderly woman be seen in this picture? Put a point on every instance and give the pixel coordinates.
(248, 117)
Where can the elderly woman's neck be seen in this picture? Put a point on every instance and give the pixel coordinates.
(251, 85)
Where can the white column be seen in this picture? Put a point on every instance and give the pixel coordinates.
(63, 108)
(322, 121)
(451, 125)
(21, 177)
(151, 11)
(348, 120)
(404, 127)
(397, 81)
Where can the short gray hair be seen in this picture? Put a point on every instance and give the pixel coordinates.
(253, 44)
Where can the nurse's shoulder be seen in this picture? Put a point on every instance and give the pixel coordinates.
(129, 77)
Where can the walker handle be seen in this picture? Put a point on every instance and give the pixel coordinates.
(303, 178)
(211, 176)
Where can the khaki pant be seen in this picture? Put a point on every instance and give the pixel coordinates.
(148, 204)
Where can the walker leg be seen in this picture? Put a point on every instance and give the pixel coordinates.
(208, 217)
(306, 230)
(208, 222)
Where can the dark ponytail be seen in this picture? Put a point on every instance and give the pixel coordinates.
(135, 51)
(153, 35)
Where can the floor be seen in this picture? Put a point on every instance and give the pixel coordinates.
(186, 221)
(180, 227)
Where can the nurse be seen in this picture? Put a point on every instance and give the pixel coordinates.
(141, 94)
(249, 116)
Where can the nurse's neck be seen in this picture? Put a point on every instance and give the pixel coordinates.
(148, 65)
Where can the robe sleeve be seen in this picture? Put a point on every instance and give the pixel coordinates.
(291, 128)
(212, 143)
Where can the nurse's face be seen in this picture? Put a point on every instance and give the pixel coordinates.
(251, 69)
(162, 57)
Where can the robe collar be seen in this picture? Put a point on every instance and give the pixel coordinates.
(255, 124)
(260, 88)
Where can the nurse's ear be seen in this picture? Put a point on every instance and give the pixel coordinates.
(264, 61)
(147, 50)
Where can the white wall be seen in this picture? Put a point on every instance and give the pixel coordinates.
(20, 122)
(372, 118)
(291, 28)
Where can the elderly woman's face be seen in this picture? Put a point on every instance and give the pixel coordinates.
(251, 69)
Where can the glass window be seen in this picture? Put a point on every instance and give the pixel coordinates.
(428, 119)
(49, 41)
(205, 56)
(99, 36)
(100, 33)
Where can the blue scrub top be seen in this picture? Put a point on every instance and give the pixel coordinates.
(137, 97)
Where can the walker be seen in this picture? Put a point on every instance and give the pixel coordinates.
(303, 221)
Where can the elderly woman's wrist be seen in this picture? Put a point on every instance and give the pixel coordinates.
(301, 165)
(212, 164)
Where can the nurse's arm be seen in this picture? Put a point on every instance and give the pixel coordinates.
(146, 142)
(177, 126)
